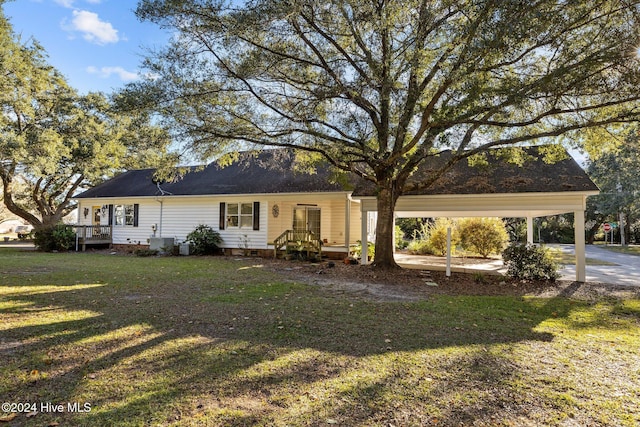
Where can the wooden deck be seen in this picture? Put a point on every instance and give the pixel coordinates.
(93, 235)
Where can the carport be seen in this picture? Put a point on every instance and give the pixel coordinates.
(536, 188)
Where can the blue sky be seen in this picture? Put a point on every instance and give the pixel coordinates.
(97, 44)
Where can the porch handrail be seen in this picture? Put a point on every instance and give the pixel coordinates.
(295, 236)
(93, 232)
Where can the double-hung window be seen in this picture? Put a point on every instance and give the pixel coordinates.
(125, 215)
(239, 215)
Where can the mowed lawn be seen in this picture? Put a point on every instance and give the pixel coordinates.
(215, 341)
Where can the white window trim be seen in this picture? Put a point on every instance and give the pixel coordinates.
(123, 212)
(247, 217)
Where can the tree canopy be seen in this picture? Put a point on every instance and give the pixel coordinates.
(377, 86)
(53, 142)
(616, 172)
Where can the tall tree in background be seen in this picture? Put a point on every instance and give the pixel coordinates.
(54, 142)
(616, 171)
(378, 86)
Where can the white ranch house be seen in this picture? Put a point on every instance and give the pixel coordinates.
(260, 203)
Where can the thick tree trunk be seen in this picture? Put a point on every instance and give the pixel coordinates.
(591, 233)
(384, 229)
(47, 219)
(7, 190)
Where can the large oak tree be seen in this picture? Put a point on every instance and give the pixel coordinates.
(615, 170)
(54, 142)
(375, 87)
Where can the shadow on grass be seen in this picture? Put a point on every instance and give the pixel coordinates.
(249, 349)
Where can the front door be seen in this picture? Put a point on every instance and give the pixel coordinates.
(97, 215)
(307, 218)
(96, 219)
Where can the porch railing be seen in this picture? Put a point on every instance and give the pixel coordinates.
(298, 241)
(93, 234)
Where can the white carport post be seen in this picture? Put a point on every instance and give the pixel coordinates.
(578, 226)
(347, 223)
(364, 231)
(530, 229)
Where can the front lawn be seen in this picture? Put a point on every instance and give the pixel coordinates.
(217, 341)
(564, 258)
(629, 249)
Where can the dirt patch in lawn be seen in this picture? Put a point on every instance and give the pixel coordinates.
(29, 270)
(412, 285)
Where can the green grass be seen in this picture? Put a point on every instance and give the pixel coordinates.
(213, 341)
(629, 250)
(564, 258)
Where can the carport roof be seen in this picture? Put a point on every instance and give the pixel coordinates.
(497, 176)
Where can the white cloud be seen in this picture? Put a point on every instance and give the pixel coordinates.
(65, 3)
(106, 72)
(69, 3)
(94, 30)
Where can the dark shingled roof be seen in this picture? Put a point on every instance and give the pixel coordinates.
(272, 172)
(535, 175)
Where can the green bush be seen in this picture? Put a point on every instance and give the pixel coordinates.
(204, 240)
(401, 243)
(530, 262)
(57, 238)
(371, 249)
(420, 247)
(483, 236)
(437, 238)
(431, 238)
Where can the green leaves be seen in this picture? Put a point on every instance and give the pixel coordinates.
(54, 142)
(354, 79)
(378, 87)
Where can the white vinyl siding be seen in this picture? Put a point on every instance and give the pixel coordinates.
(177, 216)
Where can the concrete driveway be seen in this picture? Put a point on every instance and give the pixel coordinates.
(19, 244)
(621, 269)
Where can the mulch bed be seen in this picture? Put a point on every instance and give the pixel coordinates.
(403, 284)
(409, 284)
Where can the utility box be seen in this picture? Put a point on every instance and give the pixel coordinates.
(184, 249)
(162, 244)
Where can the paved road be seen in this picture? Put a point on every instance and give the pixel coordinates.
(626, 270)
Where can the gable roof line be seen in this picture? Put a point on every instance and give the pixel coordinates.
(274, 172)
(200, 196)
(472, 196)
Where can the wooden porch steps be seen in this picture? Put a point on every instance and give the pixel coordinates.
(297, 241)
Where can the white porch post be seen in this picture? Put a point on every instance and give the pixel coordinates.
(347, 223)
(578, 225)
(530, 230)
(363, 237)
